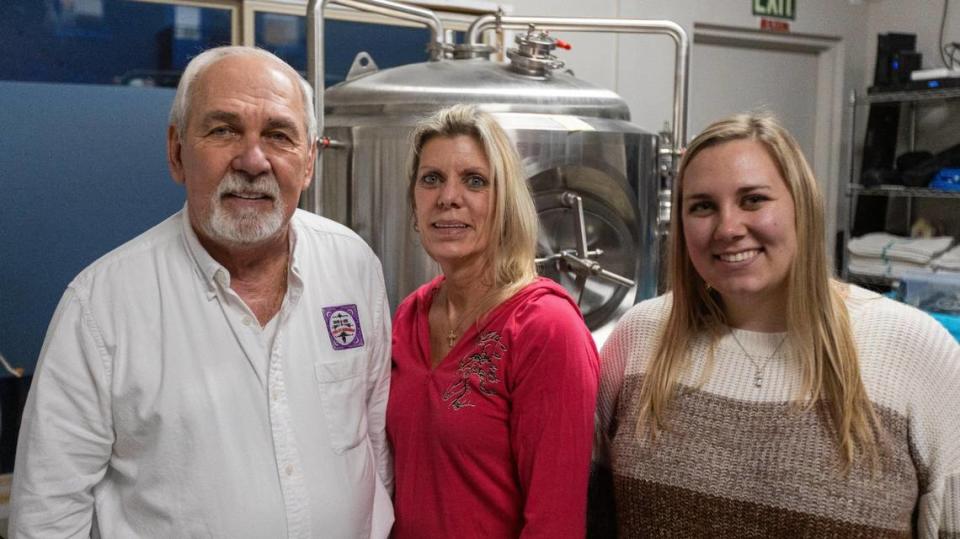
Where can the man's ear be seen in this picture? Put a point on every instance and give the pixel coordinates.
(311, 163)
(173, 154)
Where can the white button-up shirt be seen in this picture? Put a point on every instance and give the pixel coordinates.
(159, 407)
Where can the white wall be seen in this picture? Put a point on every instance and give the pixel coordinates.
(640, 67)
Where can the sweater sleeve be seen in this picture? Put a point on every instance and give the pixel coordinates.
(66, 436)
(553, 396)
(935, 431)
(601, 506)
(613, 364)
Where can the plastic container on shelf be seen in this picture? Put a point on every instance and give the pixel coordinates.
(948, 179)
(933, 292)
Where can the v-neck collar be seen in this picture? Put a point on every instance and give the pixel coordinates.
(423, 329)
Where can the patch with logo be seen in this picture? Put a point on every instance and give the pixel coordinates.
(343, 325)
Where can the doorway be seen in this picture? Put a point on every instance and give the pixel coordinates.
(797, 77)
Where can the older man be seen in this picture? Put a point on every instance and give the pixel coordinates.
(225, 373)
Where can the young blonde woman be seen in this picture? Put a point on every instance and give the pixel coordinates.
(495, 375)
(760, 397)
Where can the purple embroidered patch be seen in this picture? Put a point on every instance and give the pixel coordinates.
(343, 326)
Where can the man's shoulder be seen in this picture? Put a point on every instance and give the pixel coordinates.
(311, 226)
(133, 257)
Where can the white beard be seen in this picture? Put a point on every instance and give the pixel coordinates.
(246, 226)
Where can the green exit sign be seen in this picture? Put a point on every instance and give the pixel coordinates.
(783, 9)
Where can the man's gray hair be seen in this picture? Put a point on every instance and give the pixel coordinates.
(180, 110)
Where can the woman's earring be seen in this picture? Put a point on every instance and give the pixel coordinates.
(416, 227)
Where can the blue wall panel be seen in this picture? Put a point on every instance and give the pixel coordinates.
(82, 170)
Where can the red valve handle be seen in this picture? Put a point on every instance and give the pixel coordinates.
(563, 44)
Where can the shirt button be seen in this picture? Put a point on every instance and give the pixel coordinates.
(289, 469)
(274, 397)
(247, 320)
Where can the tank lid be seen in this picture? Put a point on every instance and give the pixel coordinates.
(424, 87)
(532, 56)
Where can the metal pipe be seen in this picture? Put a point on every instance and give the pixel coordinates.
(575, 202)
(619, 26)
(851, 205)
(315, 65)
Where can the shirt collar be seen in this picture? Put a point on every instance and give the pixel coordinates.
(294, 277)
(210, 270)
(213, 272)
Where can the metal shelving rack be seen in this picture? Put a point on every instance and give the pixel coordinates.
(854, 190)
(901, 191)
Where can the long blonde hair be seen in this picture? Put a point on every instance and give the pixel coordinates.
(513, 224)
(818, 326)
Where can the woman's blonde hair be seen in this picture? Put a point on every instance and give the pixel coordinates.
(818, 326)
(513, 222)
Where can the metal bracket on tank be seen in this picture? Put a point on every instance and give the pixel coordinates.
(667, 165)
(362, 64)
(579, 260)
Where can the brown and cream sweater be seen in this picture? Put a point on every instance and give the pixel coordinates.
(738, 460)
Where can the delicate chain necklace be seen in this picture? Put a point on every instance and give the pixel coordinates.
(454, 328)
(758, 367)
(452, 334)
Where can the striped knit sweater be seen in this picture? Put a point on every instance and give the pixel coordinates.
(738, 460)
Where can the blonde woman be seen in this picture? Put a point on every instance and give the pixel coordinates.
(760, 397)
(494, 376)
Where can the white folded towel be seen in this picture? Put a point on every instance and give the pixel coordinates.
(872, 245)
(878, 267)
(890, 247)
(919, 250)
(948, 261)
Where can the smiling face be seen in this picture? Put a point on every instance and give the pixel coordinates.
(453, 201)
(738, 220)
(245, 156)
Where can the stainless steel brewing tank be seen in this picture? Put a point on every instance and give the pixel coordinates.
(573, 137)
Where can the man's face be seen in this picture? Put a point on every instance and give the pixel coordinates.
(244, 156)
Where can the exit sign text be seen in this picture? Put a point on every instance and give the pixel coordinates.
(782, 9)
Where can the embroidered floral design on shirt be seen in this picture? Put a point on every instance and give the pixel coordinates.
(481, 364)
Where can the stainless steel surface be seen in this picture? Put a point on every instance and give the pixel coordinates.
(425, 87)
(580, 261)
(632, 26)
(315, 65)
(594, 176)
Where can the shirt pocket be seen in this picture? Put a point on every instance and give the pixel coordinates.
(343, 396)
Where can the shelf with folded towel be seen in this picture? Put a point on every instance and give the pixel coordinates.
(903, 133)
(900, 191)
(880, 257)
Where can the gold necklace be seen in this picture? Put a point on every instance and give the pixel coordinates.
(452, 329)
(758, 367)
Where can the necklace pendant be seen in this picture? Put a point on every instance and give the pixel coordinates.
(758, 380)
(451, 339)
